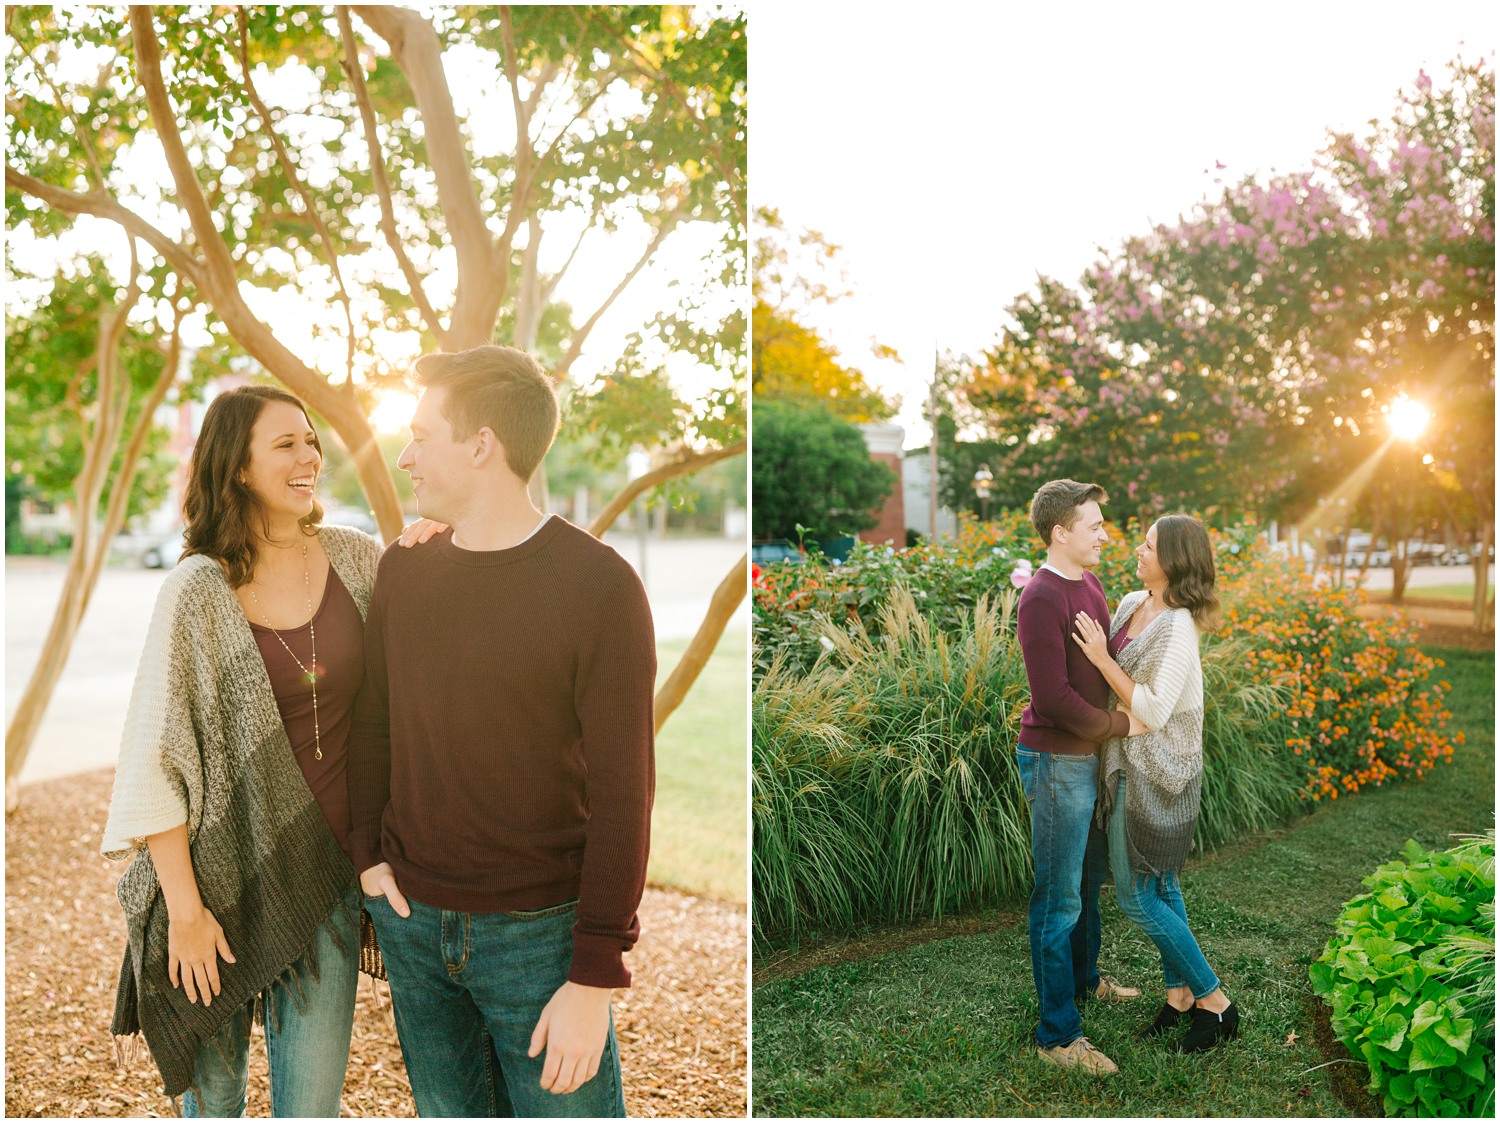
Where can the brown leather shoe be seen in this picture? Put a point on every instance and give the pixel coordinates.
(1079, 1054)
(1110, 990)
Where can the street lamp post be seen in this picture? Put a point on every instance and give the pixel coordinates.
(982, 481)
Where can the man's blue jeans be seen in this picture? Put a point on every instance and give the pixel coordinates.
(1071, 858)
(468, 989)
(307, 1036)
(1154, 902)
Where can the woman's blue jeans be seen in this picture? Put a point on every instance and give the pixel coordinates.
(468, 989)
(1070, 859)
(1154, 902)
(307, 1037)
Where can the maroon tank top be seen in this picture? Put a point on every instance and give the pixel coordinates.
(341, 670)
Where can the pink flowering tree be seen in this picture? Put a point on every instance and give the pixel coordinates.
(1242, 358)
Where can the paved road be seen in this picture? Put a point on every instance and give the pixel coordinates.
(1423, 577)
(82, 728)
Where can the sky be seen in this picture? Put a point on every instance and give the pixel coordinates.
(955, 152)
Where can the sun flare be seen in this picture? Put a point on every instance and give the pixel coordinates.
(1407, 418)
(393, 414)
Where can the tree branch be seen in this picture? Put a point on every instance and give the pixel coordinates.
(575, 345)
(219, 264)
(550, 286)
(105, 206)
(582, 109)
(381, 178)
(130, 460)
(726, 599)
(685, 464)
(88, 147)
(285, 159)
(483, 268)
(643, 67)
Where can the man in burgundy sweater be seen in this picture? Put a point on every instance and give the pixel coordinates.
(1061, 731)
(500, 768)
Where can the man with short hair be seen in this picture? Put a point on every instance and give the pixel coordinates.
(501, 772)
(1061, 731)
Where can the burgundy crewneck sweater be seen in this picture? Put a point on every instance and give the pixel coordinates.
(1068, 693)
(501, 757)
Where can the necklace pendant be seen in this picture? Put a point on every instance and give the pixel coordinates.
(311, 678)
(318, 754)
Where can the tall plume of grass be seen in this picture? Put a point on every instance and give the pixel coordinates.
(1250, 782)
(884, 780)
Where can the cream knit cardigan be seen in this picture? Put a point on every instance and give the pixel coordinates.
(204, 745)
(156, 788)
(1163, 767)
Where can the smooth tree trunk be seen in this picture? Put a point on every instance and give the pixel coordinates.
(726, 599)
(91, 535)
(1483, 620)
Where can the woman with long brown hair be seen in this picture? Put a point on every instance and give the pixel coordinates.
(1152, 780)
(230, 791)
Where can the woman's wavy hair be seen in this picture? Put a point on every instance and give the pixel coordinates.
(225, 518)
(1187, 557)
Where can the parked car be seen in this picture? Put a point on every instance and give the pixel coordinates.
(163, 555)
(776, 550)
(1424, 553)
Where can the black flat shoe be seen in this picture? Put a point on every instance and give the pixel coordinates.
(1169, 1018)
(1208, 1029)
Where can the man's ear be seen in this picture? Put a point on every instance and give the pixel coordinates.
(487, 445)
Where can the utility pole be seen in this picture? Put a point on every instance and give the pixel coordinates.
(932, 407)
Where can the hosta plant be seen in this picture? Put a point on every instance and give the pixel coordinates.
(1399, 976)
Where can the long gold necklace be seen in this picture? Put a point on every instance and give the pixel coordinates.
(309, 674)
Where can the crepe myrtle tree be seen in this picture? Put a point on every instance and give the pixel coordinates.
(256, 153)
(1242, 358)
(86, 370)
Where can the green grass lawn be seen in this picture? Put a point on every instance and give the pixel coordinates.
(1460, 594)
(698, 828)
(945, 1027)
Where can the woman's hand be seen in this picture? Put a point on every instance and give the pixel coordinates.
(420, 531)
(1092, 638)
(194, 943)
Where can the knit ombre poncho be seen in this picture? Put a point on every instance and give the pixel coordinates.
(204, 744)
(1163, 767)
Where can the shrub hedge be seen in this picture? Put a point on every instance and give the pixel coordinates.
(888, 698)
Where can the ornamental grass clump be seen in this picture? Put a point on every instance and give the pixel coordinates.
(884, 782)
(1249, 782)
(1409, 977)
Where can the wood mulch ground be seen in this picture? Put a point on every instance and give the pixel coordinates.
(682, 1028)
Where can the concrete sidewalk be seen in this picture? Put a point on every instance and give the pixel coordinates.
(81, 730)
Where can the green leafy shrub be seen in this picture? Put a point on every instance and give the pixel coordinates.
(1409, 976)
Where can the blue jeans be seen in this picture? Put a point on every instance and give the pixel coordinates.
(308, 1025)
(1070, 859)
(468, 989)
(1154, 902)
